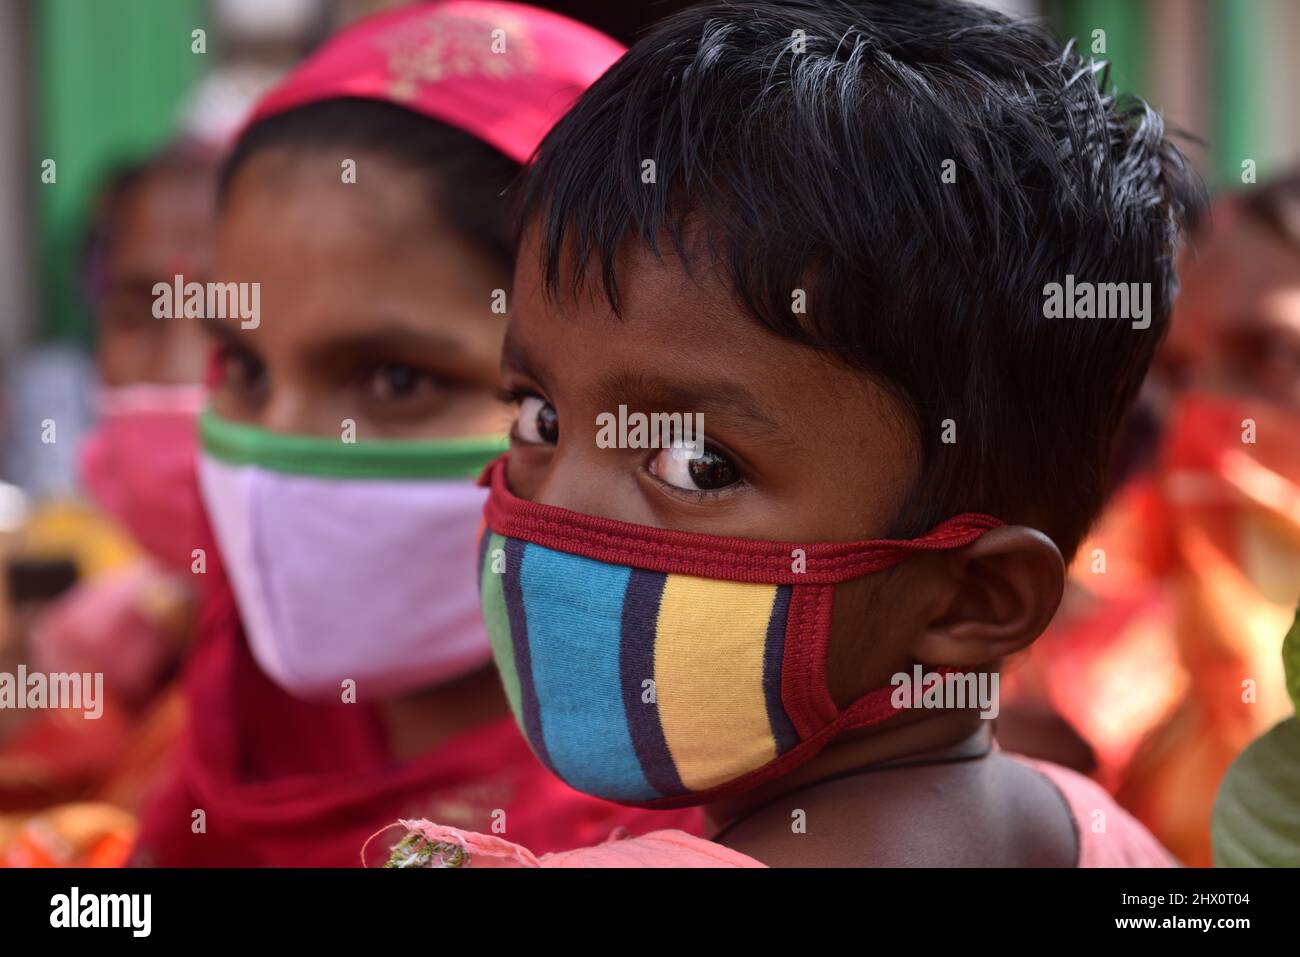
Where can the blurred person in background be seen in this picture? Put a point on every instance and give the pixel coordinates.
(1165, 654)
(1239, 316)
(129, 615)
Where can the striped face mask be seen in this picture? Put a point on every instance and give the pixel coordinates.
(665, 668)
(331, 548)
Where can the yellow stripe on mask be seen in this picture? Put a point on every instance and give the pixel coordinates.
(709, 646)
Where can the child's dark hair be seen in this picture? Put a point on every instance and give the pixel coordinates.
(823, 170)
(467, 177)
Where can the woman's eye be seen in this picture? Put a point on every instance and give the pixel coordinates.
(395, 381)
(537, 422)
(241, 371)
(702, 471)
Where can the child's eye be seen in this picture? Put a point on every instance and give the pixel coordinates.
(537, 422)
(708, 471)
(396, 381)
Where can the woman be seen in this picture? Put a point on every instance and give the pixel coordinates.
(334, 688)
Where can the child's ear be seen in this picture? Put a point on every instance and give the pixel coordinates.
(1005, 588)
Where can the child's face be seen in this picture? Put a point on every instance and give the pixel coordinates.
(800, 449)
(371, 309)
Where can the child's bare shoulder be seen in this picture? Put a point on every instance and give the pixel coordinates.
(994, 812)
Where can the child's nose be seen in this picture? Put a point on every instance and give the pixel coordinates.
(592, 482)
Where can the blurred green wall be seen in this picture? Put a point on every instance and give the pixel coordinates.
(1125, 26)
(1238, 43)
(1239, 120)
(107, 82)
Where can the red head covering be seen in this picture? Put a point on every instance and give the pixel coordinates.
(285, 782)
(500, 71)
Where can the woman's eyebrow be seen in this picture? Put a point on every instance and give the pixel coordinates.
(741, 410)
(393, 338)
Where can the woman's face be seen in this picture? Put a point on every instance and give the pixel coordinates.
(1236, 323)
(372, 309)
(163, 228)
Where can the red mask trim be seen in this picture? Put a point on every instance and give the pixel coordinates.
(804, 691)
(707, 556)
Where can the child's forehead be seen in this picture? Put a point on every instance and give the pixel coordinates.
(670, 343)
(681, 339)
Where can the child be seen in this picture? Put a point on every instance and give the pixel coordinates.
(354, 400)
(832, 230)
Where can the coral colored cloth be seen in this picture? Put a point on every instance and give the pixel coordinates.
(668, 848)
(1108, 835)
(282, 782)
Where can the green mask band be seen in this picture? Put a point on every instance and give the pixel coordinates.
(238, 444)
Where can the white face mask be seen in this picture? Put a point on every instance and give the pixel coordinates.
(350, 561)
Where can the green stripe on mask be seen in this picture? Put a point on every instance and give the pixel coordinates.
(238, 444)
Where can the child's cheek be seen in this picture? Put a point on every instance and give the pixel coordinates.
(874, 623)
(526, 469)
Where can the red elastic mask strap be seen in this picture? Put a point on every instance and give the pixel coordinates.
(872, 708)
(875, 706)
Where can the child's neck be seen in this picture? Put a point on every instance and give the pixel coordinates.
(932, 737)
